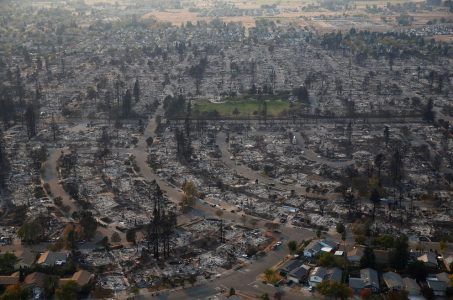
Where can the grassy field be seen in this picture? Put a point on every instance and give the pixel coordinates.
(245, 108)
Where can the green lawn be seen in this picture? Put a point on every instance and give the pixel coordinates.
(249, 107)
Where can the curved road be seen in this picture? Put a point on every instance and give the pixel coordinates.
(252, 175)
(141, 157)
(313, 156)
(50, 176)
(243, 280)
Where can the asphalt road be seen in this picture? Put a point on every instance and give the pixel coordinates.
(50, 177)
(244, 279)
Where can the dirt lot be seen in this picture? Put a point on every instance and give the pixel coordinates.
(443, 38)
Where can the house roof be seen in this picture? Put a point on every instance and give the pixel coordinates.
(370, 277)
(448, 262)
(50, 258)
(334, 274)
(392, 279)
(329, 243)
(63, 281)
(356, 283)
(291, 265)
(319, 271)
(300, 272)
(356, 251)
(443, 277)
(26, 258)
(314, 246)
(9, 280)
(36, 279)
(82, 277)
(410, 284)
(382, 256)
(428, 258)
(437, 285)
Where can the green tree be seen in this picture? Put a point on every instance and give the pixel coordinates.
(15, 292)
(334, 289)
(270, 275)
(368, 259)
(326, 259)
(7, 262)
(88, 223)
(67, 291)
(386, 241)
(31, 232)
(190, 194)
(340, 228)
(232, 292)
(70, 239)
(50, 284)
(292, 247)
(417, 269)
(400, 254)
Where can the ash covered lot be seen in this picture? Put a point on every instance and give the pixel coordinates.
(205, 157)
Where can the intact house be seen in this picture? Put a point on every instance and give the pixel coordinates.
(429, 259)
(411, 286)
(369, 278)
(295, 271)
(290, 266)
(382, 256)
(448, 262)
(300, 274)
(317, 246)
(50, 258)
(9, 280)
(82, 278)
(393, 281)
(36, 282)
(319, 274)
(438, 283)
(355, 255)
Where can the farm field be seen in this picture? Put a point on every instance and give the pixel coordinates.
(304, 13)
